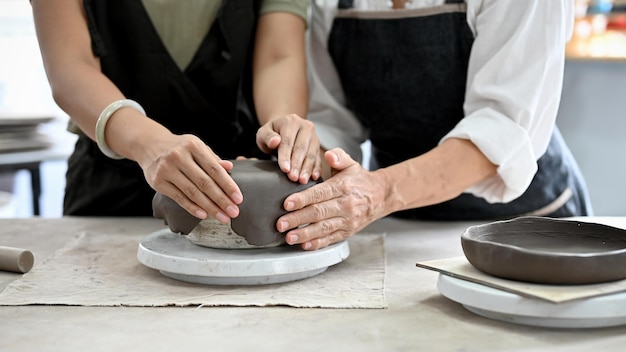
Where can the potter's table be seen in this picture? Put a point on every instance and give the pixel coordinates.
(418, 317)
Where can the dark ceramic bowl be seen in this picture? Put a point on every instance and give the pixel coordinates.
(547, 250)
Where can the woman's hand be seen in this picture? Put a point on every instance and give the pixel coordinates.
(336, 208)
(297, 145)
(281, 96)
(185, 169)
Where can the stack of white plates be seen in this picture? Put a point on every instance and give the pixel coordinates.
(19, 133)
(8, 207)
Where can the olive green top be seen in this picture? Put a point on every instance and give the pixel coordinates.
(182, 41)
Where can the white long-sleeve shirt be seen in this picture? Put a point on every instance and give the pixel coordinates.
(513, 90)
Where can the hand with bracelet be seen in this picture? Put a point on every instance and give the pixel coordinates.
(168, 110)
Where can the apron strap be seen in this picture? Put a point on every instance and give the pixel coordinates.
(348, 4)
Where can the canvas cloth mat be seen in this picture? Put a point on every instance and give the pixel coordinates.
(97, 270)
(461, 268)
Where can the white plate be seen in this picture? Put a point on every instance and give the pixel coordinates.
(15, 120)
(13, 143)
(176, 257)
(595, 312)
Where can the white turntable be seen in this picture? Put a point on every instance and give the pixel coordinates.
(178, 258)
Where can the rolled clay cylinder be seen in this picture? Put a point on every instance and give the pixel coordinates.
(16, 259)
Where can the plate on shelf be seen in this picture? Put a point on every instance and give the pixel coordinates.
(547, 250)
(17, 120)
(17, 129)
(14, 142)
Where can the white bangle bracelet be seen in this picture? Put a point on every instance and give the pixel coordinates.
(104, 118)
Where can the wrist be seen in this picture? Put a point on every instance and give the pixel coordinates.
(103, 119)
(389, 197)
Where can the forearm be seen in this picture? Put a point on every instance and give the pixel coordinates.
(76, 80)
(83, 93)
(280, 86)
(434, 177)
(77, 84)
(277, 92)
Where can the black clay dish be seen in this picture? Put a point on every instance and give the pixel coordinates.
(547, 250)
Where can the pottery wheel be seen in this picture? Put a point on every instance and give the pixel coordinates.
(594, 312)
(176, 257)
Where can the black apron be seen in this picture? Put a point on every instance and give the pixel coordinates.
(381, 55)
(211, 98)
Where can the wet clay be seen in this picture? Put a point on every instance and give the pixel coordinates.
(264, 187)
(174, 216)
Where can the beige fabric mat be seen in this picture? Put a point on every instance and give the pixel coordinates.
(97, 270)
(460, 267)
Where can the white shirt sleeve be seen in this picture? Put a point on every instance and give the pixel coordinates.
(513, 87)
(335, 125)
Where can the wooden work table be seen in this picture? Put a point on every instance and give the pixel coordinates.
(418, 318)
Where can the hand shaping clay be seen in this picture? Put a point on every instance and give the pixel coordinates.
(264, 187)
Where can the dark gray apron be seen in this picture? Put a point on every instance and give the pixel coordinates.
(211, 98)
(404, 75)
